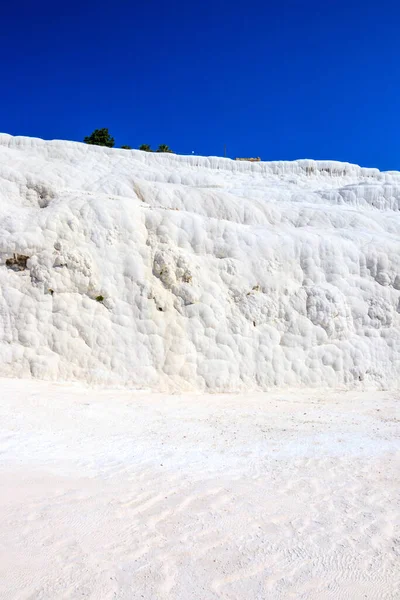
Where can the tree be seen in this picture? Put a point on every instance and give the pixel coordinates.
(145, 148)
(163, 148)
(126, 148)
(100, 137)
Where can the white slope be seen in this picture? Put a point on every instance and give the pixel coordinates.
(216, 275)
(136, 496)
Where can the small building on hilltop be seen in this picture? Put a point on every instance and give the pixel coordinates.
(257, 159)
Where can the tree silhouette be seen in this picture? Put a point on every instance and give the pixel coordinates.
(126, 148)
(145, 148)
(164, 148)
(100, 137)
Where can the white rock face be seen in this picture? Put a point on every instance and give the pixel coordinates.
(181, 272)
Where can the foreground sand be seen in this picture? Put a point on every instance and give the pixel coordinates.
(119, 495)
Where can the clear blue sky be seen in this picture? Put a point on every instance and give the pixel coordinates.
(281, 80)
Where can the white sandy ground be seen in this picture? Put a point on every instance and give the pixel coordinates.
(123, 495)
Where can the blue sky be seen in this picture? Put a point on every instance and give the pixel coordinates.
(280, 80)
